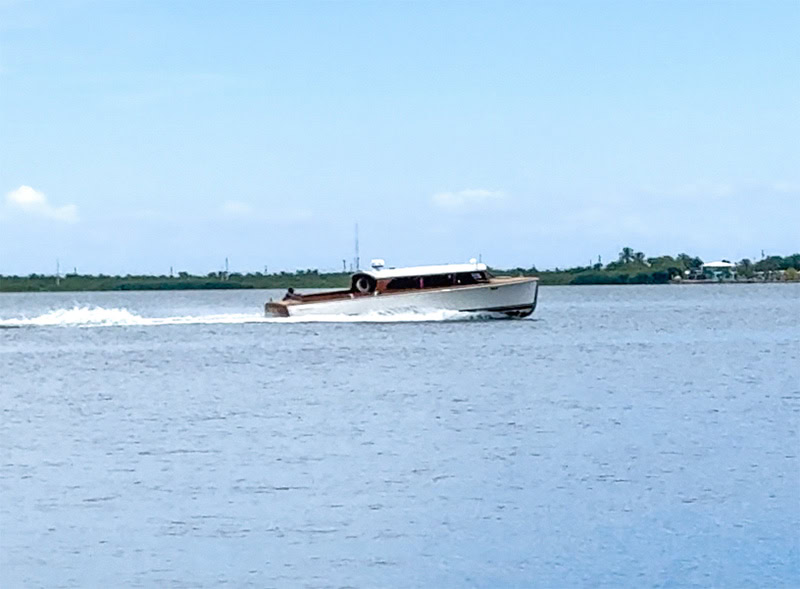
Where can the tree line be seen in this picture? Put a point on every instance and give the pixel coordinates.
(634, 267)
(630, 267)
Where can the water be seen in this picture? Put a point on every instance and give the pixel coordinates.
(623, 436)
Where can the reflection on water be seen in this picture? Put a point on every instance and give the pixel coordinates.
(625, 436)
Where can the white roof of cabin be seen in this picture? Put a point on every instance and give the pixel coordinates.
(424, 270)
(719, 265)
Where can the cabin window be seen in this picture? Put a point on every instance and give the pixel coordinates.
(435, 280)
(403, 283)
(470, 277)
(438, 280)
(417, 282)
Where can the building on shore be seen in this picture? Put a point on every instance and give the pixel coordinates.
(720, 271)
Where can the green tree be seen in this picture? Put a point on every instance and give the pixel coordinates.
(769, 264)
(626, 255)
(745, 268)
(792, 261)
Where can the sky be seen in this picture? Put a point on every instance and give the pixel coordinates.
(139, 136)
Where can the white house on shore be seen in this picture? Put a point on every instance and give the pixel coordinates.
(721, 270)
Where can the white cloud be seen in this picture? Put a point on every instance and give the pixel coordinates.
(32, 202)
(240, 210)
(693, 191)
(466, 198)
(236, 208)
(786, 187)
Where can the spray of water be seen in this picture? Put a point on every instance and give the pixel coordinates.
(102, 317)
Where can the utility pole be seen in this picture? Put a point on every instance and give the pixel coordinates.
(226, 269)
(357, 261)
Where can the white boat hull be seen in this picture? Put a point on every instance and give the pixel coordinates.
(514, 297)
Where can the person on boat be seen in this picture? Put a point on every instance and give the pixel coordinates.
(291, 296)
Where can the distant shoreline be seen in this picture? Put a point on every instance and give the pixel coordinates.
(630, 268)
(89, 283)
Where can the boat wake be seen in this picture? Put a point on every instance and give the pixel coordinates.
(102, 317)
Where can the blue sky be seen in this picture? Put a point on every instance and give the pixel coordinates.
(135, 136)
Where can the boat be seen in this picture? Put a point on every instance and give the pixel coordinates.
(452, 287)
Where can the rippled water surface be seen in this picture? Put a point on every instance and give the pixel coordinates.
(623, 436)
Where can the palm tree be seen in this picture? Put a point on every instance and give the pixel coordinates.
(638, 257)
(745, 268)
(626, 255)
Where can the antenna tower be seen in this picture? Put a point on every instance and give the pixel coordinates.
(357, 261)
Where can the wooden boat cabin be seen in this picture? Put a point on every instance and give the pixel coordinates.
(386, 281)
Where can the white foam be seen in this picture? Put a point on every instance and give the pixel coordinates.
(102, 317)
(76, 316)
